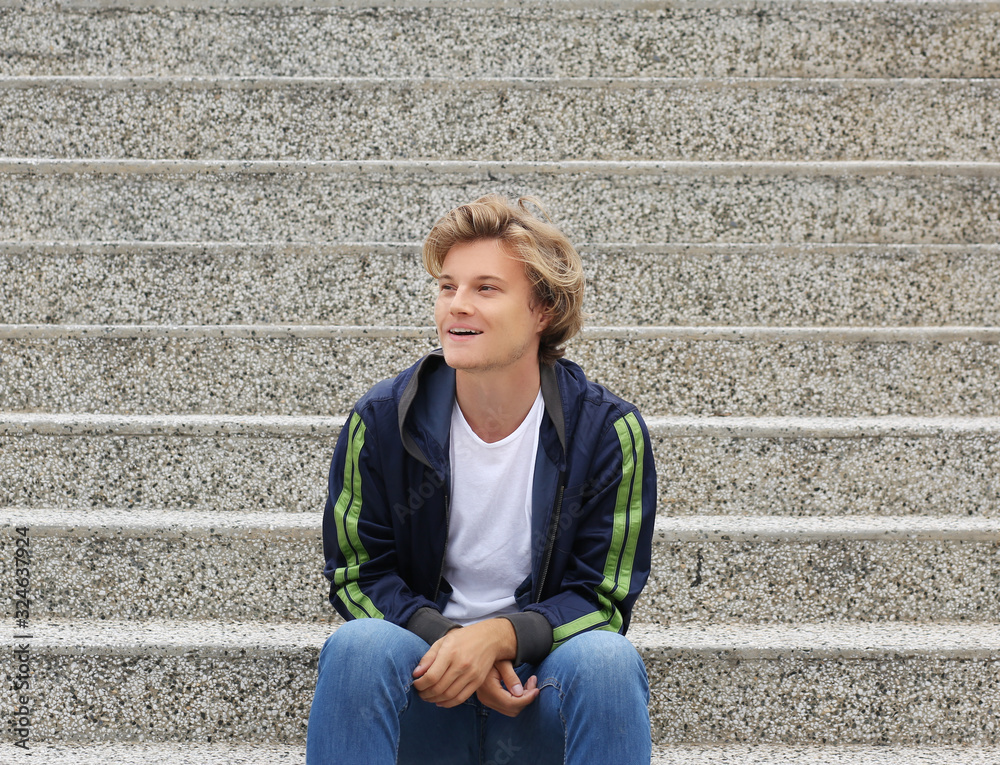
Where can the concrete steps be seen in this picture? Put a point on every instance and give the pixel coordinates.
(804, 684)
(814, 285)
(693, 119)
(677, 370)
(789, 214)
(749, 202)
(342, 38)
(264, 754)
(142, 563)
(716, 466)
(171, 754)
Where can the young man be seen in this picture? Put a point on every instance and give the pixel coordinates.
(488, 529)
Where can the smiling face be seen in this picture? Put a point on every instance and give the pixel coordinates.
(484, 313)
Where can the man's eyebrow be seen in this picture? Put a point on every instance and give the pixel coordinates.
(481, 278)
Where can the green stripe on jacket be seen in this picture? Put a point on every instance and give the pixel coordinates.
(626, 524)
(347, 512)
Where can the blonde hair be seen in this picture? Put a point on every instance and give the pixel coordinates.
(551, 263)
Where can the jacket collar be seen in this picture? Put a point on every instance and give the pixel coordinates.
(426, 401)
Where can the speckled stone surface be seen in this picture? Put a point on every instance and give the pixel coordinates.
(226, 473)
(262, 754)
(202, 682)
(141, 564)
(276, 372)
(814, 285)
(811, 684)
(798, 285)
(171, 754)
(833, 476)
(774, 379)
(807, 39)
(179, 464)
(824, 684)
(216, 283)
(598, 202)
(777, 754)
(824, 586)
(155, 564)
(759, 119)
(838, 580)
(198, 376)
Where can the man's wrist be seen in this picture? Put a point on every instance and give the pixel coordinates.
(506, 637)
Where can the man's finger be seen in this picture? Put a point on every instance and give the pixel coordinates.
(510, 678)
(425, 661)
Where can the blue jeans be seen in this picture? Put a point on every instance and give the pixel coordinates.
(592, 708)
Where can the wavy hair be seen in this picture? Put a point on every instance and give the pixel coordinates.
(551, 263)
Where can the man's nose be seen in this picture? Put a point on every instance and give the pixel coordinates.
(461, 302)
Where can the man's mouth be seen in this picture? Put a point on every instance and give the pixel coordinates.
(464, 332)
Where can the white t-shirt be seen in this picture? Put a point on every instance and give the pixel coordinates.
(489, 535)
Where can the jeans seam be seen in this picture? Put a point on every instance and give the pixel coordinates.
(551, 682)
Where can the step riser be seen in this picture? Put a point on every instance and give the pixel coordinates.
(898, 40)
(287, 376)
(274, 578)
(842, 580)
(737, 285)
(224, 473)
(696, 476)
(696, 698)
(188, 697)
(402, 205)
(711, 699)
(686, 121)
(277, 577)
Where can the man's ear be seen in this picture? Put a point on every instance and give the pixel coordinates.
(545, 319)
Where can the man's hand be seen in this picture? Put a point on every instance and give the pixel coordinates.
(458, 664)
(512, 699)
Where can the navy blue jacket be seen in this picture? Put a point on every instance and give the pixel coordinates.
(593, 504)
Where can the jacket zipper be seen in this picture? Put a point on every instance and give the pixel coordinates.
(444, 554)
(551, 542)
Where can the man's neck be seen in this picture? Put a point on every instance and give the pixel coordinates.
(495, 403)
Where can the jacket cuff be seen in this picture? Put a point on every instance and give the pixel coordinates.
(534, 637)
(430, 624)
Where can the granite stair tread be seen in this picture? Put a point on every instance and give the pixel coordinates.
(739, 37)
(749, 202)
(90, 423)
(137, 563)
(776, 754)
(829, 683)
(240, 282)
(261, 118)
(872, 528)
(264, 754)
(821, 639)
(164, 523)
(78, 522)
(914, 371)
(769, 466)
(170, 754)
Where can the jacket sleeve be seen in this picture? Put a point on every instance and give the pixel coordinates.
(610, 519)
(359, 544)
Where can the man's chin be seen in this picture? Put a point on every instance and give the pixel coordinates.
(456, 360)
